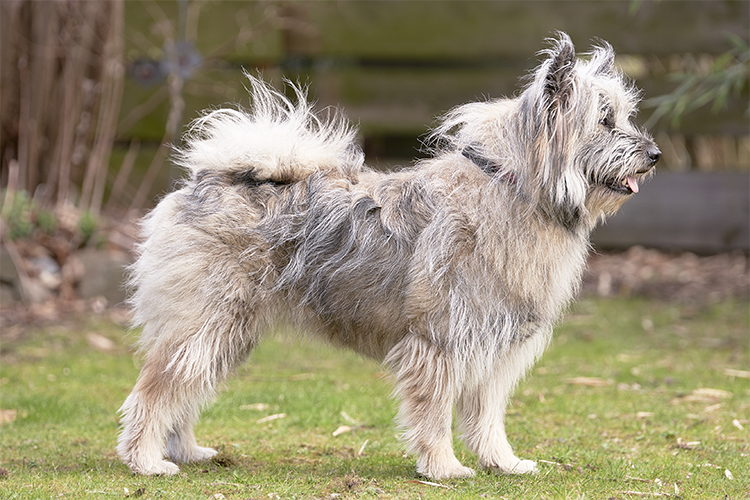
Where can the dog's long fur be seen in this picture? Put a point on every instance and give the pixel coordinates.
(452, 272)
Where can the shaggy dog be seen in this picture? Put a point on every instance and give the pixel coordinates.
(451, 272)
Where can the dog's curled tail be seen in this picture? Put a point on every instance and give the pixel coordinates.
(274, 140)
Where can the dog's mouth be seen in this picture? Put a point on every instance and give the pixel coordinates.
(627, 185)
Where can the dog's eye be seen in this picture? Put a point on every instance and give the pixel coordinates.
(608, 121)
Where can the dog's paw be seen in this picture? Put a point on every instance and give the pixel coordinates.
(461, 471)
(160, 468)
(451, 469)
(525, 467)
(516, 467)
(191, 454)
(201, 453)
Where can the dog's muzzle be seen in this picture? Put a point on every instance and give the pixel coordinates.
(654, 155)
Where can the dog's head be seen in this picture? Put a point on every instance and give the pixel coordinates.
(576, 116)
(567, 142)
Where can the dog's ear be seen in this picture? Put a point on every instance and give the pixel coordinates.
(559, 84)
(603, 59)
(562, 190)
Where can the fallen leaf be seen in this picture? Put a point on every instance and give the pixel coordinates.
(7, 416)
(587, 381)
(728, 474)
(712, 393)
(342, 430)
(644, 414)
(256, 407)
(736, 373)
(737, 424)
(708, 464)
(270, 418)
(690, 445)
(709, 409)
(100, 343)
(704, 395)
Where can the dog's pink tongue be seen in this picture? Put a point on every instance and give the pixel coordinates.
(633, 184)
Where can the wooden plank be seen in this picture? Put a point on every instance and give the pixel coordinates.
(470, 29)
(699, 212)
(438, 29)
(245, 31)
(407, 99)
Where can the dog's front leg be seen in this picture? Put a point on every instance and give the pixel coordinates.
(426, 382)
(482, 405)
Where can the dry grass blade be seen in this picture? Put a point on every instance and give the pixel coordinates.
(633, 493)
(362, 449)
(587, 381)
(428, 483)
(270, 418)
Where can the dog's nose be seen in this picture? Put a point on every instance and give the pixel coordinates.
(654, 154)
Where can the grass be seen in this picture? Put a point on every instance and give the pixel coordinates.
(613, 410)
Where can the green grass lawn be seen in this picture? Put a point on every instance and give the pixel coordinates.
(619, 407)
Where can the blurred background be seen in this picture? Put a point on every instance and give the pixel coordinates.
(94, 93)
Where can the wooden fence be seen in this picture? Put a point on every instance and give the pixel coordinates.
(396, 65)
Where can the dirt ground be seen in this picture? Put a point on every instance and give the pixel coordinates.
(680, 277)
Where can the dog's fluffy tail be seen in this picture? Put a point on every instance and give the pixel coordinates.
(275, 140)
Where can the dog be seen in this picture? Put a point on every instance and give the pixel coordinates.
(452, 272)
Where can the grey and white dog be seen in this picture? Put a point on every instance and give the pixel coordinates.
(452, 272)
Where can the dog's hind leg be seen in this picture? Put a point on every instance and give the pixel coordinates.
(425, 378)
(181, 444)
(178, 377)
(147, 416)
(482, 405)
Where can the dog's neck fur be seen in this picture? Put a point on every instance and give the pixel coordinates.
(487, 165)
(572, 221)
